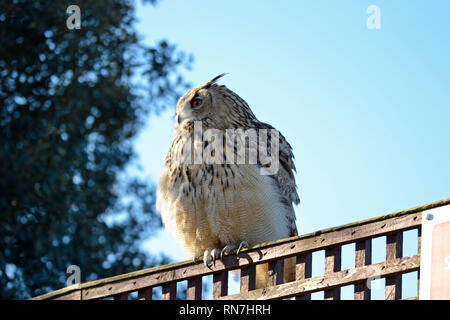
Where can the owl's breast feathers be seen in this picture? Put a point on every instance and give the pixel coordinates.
(208, 205)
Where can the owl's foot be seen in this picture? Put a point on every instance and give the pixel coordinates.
(230, 247)
(210, 256)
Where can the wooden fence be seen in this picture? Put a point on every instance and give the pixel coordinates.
(361, 233)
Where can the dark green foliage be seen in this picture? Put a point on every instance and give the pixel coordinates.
(70, 101)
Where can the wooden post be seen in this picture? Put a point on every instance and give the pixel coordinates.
(419, 251)
(121, 296)
(220, 284)
(276, 272)
(169, 291)
(363, 257)
(145, 294)
(333, 264)
(248, 278)
(194, 289)
(303, 270)
(394, 249)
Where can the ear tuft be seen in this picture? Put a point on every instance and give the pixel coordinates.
(213, 81)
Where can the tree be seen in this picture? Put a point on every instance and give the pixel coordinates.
(71, 101)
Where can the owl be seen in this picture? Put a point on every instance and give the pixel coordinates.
(211, 202)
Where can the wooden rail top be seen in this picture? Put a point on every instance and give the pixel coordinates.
(331, 240)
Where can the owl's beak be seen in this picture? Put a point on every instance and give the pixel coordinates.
(183, 115)
(179, 119)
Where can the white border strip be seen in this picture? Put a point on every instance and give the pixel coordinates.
(429, 219)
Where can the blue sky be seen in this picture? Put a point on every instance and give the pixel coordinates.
(366, 111)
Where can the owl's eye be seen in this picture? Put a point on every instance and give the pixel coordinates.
(196, 102)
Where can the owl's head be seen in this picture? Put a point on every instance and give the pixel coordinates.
(213, 104)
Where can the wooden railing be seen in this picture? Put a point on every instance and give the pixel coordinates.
(391, 226)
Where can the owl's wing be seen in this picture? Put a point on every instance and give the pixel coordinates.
(285, 177)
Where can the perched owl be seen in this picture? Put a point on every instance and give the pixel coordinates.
(212, 203)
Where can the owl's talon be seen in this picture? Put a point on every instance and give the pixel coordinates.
(227, 249)
(215, 254)
(243, 244)
(230, 247)
(209, 257)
